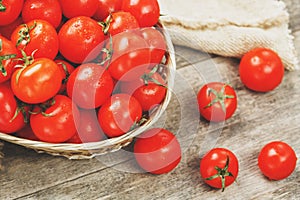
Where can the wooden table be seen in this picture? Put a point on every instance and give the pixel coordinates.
(259, 119)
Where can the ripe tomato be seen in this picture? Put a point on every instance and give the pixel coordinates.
(149, 89)
(131, 56)
(261, 70)
(217, 101)
(37, 82)
(48, 10)
(146, 12)
(156, 42)
(56, 123)
(10, 11)
(75, 8)
(89, 85)
(119, 114)
(118, 22)
(157, 151)
(27, 133)
(65, 69)
(277, 160)
(7, 30)
(88, 128)
(219, 168)
(37, 36)
(8, 53)
(78, 37)
(105, 7)
(12, 115)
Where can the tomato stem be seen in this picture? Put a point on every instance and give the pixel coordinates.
(221, 173)
(108, 52)
(147, 77)
(220, 97)
(2, 7)
(106, 24)
(24, 34)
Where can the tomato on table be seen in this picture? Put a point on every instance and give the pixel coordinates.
(157, 151)
(37, 81)
(10, 11)
(55, 121)
(219, 168)
(38, 37)
(217, 101)
(90, 85)
(78, 37)
(48, 10)
(8, 54)
(146, 12)
(75, 8)
(119, 114)
(13, 114)
(105, 7)
(261, 70)
(277, 160)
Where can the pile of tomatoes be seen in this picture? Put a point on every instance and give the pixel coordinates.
(83, 71)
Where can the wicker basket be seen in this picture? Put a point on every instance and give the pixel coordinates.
(90, 150)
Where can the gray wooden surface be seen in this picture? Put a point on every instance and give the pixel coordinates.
(259, 119)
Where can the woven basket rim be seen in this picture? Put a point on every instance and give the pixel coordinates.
(92, 149)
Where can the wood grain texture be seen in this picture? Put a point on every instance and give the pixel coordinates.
(259, 119)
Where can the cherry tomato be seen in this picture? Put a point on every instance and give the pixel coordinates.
(131, 56)
(261, 70)
(118, 22)
(37, 82)
(10, 11)
(217, 101)
(149, 89)
(105, 7)
(156, 42)
(12, 114)
(37, 36)
(48, 10)
(56, 123)
(7, 30)
(89, 85)
(219, 168)
(75, 8)
(78, 37)
(8, 54)
(146, 12)
(119, 114)
(27, 133)
(157, 151)
(65, 69)
(277, 160)
(88, 128)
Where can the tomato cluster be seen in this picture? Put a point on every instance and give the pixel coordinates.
(79, 71)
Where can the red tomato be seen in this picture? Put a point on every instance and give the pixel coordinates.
(48, 10)
(145, 11)
(78, 37)
(88, 128)
(131, 56)
(219, 168)
(277, 160)
(65, 69)
(37, 36)
(27, 133)
(118, 22)
(157, 151)
(149, 89)
(7, 30)
(37, 82)
(156, 42)
(261, 70)
(217, 101)
(8, 53)
(119, 114)
(105, 7)
(56, 123)
(10, 11)
(75, 8)
(89, 85)
(12, 114)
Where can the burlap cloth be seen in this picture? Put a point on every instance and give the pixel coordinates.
(230, 27)
(1, 156)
